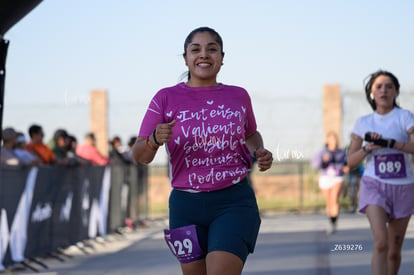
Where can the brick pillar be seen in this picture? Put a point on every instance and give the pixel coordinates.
(99, 119)
(332, 110)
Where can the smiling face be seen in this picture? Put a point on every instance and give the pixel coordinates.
(384, 93)
(203, 56)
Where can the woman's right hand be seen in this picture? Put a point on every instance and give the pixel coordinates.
(163, 132)
(370, 145)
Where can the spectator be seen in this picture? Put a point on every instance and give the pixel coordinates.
(59, 142)
(72, 143)
(351, 188)
(7, 154)
(117, 155)
(25, 157)
(131, 142)
(128, 153)
(88, 151)
(59, 147)
(37, 147)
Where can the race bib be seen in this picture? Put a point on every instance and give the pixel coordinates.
(183, 243)
(390, 166)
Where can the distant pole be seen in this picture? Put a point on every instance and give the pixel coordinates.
(99, 119)
(332, 110)
(301, 191)
(4, 44)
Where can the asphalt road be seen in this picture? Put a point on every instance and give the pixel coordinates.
(288, 244)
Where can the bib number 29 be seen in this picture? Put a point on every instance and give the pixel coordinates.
(178, 247)
(183, 243)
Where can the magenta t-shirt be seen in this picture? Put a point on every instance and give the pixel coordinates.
(207, 150)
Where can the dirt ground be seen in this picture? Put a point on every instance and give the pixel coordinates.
(268, 188)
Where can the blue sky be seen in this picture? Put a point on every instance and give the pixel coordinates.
(282, 52)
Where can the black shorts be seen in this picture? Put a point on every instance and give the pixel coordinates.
(226, 220)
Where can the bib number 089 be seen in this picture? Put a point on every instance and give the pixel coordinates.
(389, 167)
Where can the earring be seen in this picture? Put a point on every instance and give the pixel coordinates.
(371, 96)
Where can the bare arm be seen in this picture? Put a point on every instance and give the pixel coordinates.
(254, 141)
(264, 157)
(406, 147)
(145, 148)
(357, 153)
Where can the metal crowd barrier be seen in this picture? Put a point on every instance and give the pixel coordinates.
(44, 209)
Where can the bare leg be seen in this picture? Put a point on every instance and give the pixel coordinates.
(326, 195)
(334, 199)
(378, 220)
(332, 205)
(194, 268)
(396, 234)
(223, 263)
